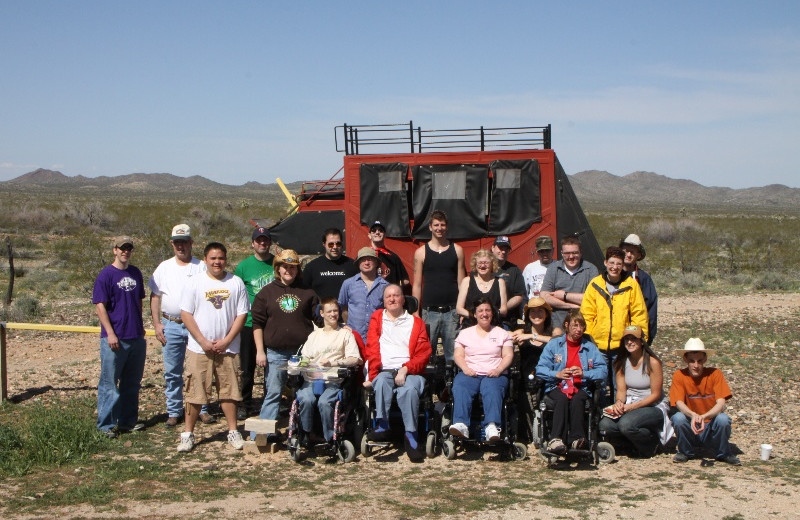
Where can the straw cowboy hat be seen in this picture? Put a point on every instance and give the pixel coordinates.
(694, 345)
(536, 301)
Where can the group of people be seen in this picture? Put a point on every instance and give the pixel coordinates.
(572, 326)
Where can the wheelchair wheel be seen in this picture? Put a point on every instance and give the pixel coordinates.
(518, 451)
(346, 451)
(430, 445)
(605, 452)
(366, 451)
(294, 449)
(449, 450)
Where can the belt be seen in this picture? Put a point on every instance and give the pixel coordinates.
(439, 308)
(172, 318)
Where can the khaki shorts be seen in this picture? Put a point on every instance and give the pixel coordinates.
(204, 371)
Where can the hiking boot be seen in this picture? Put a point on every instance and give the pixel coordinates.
(733, 460)
(492, 433)
(680, 458)
(172, 422)
(459, 430)
(235, 439)
(207, 418)
(187, 443)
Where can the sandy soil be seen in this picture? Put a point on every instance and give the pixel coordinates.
(62, 364)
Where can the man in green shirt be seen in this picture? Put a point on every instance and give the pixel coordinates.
(256, 272)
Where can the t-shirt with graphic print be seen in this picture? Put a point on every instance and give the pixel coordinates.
(122, 291)
(255, 274)
(215, 305)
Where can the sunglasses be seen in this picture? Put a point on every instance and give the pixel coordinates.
(334, 244)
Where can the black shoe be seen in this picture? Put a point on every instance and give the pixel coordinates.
(139, 426)
(241, 413)
(414, 454)
(680, 458)
(733, 460)
(110, 434)
(378, 436)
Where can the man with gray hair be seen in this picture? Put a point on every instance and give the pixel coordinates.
(166, 286)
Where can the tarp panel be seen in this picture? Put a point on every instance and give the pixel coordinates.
(516, 201)
(303, 230)
(460, 190)
(383, 197)
(571, 220)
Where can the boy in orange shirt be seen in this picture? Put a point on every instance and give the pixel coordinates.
(700, 394)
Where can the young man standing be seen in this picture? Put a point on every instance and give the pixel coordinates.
(117, 295)
(534, 272)
(325, 274)
(256, 272)
(166, 286)
(438, 271)
(391, 269)
(214, 308)
(512, 276)
(700, 394)
(566, 280)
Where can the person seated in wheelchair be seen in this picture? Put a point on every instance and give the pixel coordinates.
(569, 366)
(483, 353)
(329, 348)
(635, 414)
(397, 353)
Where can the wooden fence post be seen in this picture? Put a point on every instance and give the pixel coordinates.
(3, 373)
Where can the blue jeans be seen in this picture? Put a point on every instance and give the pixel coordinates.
(274, 381)
(325, 403)
(174, 354)
(641, 427)
(442, 325)
(407, 398)
(492, 390)
(715, 436)
(120, 381)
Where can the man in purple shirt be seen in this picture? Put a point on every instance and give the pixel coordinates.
(362, 294)
(117, 295)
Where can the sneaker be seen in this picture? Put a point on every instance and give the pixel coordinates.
(207, 418)
(139, 426)
(733, 460)
(171, 422)
(557, 446)
(492, 433)
(680, 458)
(459, 430)
(187, 443)
(578, 444)
(110, 434)
(235, 439)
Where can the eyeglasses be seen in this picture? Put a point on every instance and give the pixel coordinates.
(570, 253)
(334, 244)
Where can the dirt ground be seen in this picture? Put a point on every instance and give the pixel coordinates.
(61, 364)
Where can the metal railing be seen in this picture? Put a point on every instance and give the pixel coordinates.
(351, 139)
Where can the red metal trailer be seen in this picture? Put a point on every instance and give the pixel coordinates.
(489, 181)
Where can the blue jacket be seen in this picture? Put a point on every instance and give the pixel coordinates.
(650, 301)
(554, 359)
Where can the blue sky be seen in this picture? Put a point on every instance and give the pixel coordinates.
(239, 91)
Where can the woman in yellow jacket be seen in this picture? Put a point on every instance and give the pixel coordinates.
(611, 302)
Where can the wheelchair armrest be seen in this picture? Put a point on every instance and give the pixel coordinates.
(345, 372)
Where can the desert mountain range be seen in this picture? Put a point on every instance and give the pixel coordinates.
(591, 186)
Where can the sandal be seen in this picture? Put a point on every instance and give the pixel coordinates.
(556, 446)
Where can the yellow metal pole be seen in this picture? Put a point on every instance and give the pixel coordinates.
(63, 328)
(286, 193)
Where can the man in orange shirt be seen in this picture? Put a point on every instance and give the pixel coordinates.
(700, 394)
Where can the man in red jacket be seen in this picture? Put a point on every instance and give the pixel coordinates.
(397, 352)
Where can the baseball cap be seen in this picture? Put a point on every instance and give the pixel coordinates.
(544, 243)
(377, 224)
(181, 232)
(121, 241)
(503, 241)
(261, 232)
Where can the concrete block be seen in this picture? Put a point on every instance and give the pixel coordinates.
(257, 425)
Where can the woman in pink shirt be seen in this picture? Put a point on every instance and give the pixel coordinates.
(483, 353)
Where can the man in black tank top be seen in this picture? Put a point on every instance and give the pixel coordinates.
(438, 271)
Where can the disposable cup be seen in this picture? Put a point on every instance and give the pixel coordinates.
(766, 451)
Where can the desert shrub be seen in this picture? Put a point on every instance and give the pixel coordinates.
(772, 281)
(691, 281)
(26, 308)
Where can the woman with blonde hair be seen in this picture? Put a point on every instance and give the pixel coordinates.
(482, 283)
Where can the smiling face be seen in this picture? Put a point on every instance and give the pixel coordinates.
(376, 235)
(501, 253)
(287, 273)
(438, 228)
(333, 246)
(483, 315)
(537, 316)
(614, 268)
(261, 246)
(122, 255)
(216, 261)
(330, 315)
(571, 254)
(632, 344)
(545, 256)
